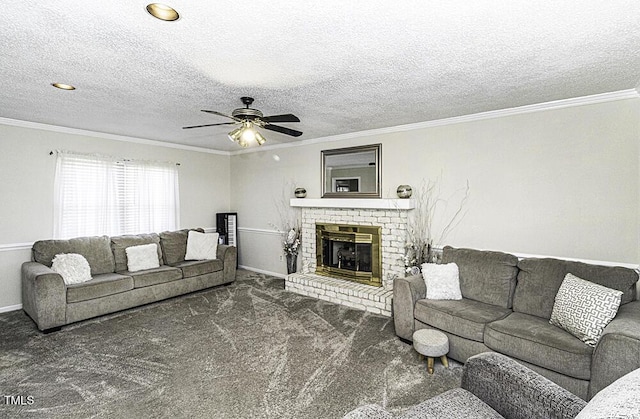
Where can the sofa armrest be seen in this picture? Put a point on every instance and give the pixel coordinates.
(516, 391)
(229, 257)
(44, 295)
(618, 350)
(406, 291)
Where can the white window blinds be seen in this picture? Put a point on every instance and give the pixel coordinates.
(97, 195)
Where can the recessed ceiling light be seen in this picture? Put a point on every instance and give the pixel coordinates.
(63, 86)
(162, 12)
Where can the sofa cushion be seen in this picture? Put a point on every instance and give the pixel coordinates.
(119, 245)
(99, 286)
(192, 268)
(533, 340)
(174, 245)
(95, 249)
(465, 318)
(540, 279)
(155, 276)
(485, 276)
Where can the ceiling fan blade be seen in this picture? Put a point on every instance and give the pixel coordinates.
(283, 130)
(222, 114)
(209, 125)
(281, 118)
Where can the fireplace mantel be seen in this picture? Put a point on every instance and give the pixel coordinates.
(401, 204)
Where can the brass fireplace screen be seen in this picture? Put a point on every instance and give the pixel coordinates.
(349, 252)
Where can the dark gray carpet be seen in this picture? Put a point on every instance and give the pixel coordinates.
(247, 350)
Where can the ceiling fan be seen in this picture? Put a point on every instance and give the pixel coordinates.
(250, 119)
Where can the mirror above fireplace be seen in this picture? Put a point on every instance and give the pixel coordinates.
(352, 172)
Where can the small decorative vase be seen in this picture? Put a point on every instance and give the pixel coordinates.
(414, 270)
(300, 192)
(404, 191)
(292, 263)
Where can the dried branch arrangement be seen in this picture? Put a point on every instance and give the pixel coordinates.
(429, 204)
(289, 217)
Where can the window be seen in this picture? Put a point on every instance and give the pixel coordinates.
(96, 195)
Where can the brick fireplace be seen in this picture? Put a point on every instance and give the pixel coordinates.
(390, 215)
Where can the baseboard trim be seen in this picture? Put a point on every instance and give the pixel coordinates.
(262, 271)
(10, 308)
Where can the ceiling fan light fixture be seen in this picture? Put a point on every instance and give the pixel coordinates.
(248, 132)
(235, 135)
(250, 120)
(260, 139)
(162, 12)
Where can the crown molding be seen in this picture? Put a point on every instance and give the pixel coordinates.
(106, 136)
(538, 107)
(501, 113)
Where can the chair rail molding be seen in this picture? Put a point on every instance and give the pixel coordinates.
(11, 247)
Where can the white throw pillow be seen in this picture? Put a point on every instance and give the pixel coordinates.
(584, 308)
(442, 281)
(144, 256)
(201, 246)
(73, 268)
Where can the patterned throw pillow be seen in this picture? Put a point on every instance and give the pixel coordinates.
(584, 308)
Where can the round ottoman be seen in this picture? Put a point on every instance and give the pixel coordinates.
(431, 343)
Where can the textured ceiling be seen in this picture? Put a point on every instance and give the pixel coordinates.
(340, 66)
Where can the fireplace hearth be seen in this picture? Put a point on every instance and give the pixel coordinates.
(350, 252)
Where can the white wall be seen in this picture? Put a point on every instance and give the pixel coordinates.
(562, 182)
(26, 188)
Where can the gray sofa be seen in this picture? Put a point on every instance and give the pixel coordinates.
(51, 303)
(495, 386)
(506, 308)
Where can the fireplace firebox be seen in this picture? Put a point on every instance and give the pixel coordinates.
(349, 252)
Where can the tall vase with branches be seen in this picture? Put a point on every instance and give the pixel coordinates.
(429, 205)
(290, 225)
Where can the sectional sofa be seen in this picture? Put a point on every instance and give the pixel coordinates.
(506, 307)
(51, 303)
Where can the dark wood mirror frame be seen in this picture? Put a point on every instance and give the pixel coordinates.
(358, 169)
